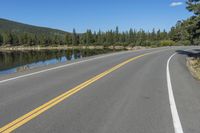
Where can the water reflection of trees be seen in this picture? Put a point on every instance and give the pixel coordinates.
(16, 58)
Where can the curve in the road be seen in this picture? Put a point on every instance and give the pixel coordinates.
(32, 114)
(175, 116)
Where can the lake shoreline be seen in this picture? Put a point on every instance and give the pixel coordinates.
(22, 60)
(27, 48)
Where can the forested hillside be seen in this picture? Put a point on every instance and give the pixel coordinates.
(16, 27)
(15, 34)
(185, 32)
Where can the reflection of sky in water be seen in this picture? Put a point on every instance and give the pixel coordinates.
(9, 71)
(37, 64)
(13, 62)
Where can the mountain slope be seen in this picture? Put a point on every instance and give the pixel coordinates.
(17, 27)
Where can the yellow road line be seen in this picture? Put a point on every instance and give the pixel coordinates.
(39, 110)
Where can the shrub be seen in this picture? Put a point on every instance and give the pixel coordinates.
(167, 43)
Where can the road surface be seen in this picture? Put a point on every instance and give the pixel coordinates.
(142, 91)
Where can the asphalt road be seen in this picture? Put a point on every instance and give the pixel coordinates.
(134, 98)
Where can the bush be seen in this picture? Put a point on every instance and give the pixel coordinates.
(167, 43)
(185, 43)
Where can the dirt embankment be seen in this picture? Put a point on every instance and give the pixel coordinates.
(193, 63)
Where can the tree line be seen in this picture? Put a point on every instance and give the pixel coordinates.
(108, 38)
(186, 32)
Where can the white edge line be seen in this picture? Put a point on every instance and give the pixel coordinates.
(66, 65)
(62, 66)
(175, 116)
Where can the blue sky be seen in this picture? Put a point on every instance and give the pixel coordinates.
(96, 14)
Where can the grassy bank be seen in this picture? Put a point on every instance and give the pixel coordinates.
(193, 64)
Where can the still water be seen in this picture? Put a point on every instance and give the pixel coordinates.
(17, 61)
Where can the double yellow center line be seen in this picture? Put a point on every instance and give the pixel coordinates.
(39, 110)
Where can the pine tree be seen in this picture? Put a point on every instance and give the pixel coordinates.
(15, 40)
(100, 38)
(74, 38)
(192, 25)
(67, 39)
(131, 36)
(116, 35)
(7, 38)
(1, 39)
(89, 37)
(194, 6)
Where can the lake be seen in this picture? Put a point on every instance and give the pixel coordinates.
(17, 61)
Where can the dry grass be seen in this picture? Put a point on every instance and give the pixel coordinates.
(193, 64)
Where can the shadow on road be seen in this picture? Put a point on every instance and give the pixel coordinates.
(192, 53)
(198, 50)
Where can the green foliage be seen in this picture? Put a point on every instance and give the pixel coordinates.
(167, 43)
(68, 39)
(7, 38)
(74, 38)
(194, 6)
(183, 42)
(188, 31)
(1, 39)
(14, 33)
(16, 27)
